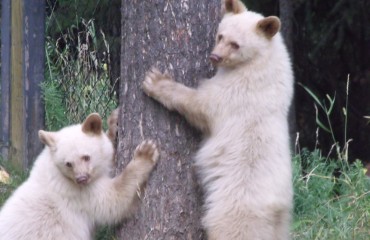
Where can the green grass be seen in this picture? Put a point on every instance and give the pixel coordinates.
(77, 76)
(16, 178)
(105, 233)
(331, 196)
(331, 200)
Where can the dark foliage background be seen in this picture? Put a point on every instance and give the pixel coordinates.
(62, 14)
(331, 41)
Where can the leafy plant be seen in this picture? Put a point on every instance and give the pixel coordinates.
(331, 199)
(55, 117)
(77, 75)
(332, 196)
(16, 177)
(342, 153)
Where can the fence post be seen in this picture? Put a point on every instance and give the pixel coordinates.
(33, 75)
(17, 114)
(22, 77)
(5, 78)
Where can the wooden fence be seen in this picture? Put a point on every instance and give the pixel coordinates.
(22, 71)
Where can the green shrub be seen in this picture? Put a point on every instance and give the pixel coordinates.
(331, 199)
(77, 79)
(332, 196)
(16, 178)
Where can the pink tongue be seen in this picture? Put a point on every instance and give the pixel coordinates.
(215, 59)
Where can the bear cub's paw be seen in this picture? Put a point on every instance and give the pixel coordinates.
(147, 151)
(155, 81)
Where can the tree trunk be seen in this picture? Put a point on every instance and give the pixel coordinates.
(178, 36)
(286, 17)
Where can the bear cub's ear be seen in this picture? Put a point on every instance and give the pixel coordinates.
(233, 6)
(47, 138)
(269, 26)
(93, 124)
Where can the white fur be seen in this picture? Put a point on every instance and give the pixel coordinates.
(244, 162)
(50, 205)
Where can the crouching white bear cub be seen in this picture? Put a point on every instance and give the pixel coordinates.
(69, 189)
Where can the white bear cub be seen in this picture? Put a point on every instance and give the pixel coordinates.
(69, 189)
(244, 163)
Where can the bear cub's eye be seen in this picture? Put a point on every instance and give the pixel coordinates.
(68, 164)
(219, 37)
(86, 158)
(234, 45)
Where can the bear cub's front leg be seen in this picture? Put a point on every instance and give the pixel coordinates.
(132, 180)
(137, 171)
(176, 96)
(146, 154)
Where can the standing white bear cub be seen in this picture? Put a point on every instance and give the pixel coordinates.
(244, 162)
(69, 190)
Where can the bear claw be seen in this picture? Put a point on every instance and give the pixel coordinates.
(148, 151)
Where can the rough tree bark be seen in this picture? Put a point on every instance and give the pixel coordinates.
(178, 36)
(286, 17)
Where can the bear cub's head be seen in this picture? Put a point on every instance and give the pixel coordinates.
(81, 152)
(243, 36)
